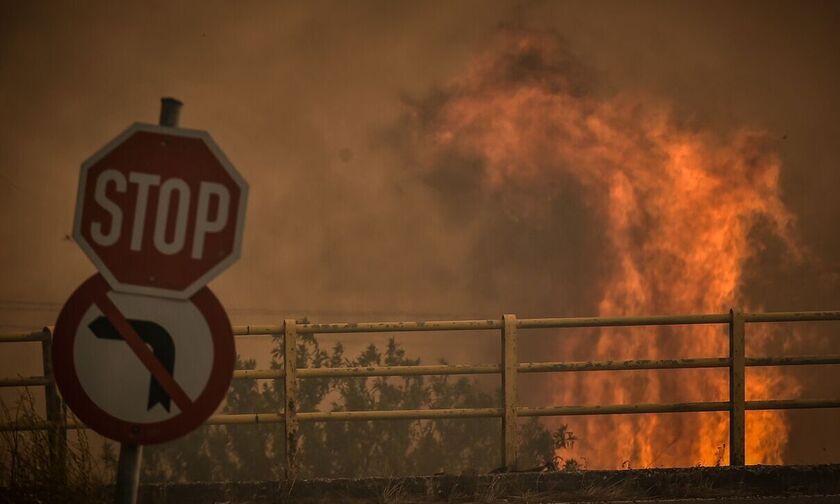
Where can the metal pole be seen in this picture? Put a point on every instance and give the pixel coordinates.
(57, 434)
(510, 368)
(131, 455)
(290, 424)
(170, 111)
(128, 473)
(737, 382)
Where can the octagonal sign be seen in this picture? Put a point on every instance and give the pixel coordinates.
(160, 211)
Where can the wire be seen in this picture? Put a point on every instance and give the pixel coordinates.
(29, 305)
(51, 306)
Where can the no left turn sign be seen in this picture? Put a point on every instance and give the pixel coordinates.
(142, 369)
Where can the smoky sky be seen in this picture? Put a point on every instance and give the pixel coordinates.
(323, 107)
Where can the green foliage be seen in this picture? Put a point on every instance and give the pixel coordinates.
(349, 449)
(237, 452)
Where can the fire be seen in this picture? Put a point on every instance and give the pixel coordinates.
(678, 204)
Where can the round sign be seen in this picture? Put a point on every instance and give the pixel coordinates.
(142, 369)
(160, 211)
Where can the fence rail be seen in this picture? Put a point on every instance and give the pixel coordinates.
(509, 411)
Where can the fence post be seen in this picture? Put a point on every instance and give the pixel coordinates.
(57, 433)
(290, 423)
(737, 390)
(510, 368)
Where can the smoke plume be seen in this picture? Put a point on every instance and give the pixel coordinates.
(675, 207)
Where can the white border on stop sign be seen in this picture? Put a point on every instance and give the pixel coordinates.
(240, 220)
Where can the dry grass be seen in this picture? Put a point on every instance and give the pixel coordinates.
(30, 474)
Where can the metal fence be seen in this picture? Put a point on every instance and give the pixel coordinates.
(509, 368)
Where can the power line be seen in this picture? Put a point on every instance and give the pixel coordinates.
(51, 306)
(31, 306)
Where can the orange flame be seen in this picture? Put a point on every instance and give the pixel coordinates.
(678, 204)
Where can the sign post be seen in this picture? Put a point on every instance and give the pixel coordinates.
(128, 473)
(131, 454)
(143, 351)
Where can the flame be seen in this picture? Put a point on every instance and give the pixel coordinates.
(678, 204)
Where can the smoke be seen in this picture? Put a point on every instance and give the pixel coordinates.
(361, 209)
(676, 207)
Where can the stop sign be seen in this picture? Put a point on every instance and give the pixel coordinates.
(160, 211)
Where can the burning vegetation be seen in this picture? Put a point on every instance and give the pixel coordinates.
(678, 206)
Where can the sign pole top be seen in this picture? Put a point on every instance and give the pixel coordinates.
(170, 111)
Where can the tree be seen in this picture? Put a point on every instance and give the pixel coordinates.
(349, 449)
